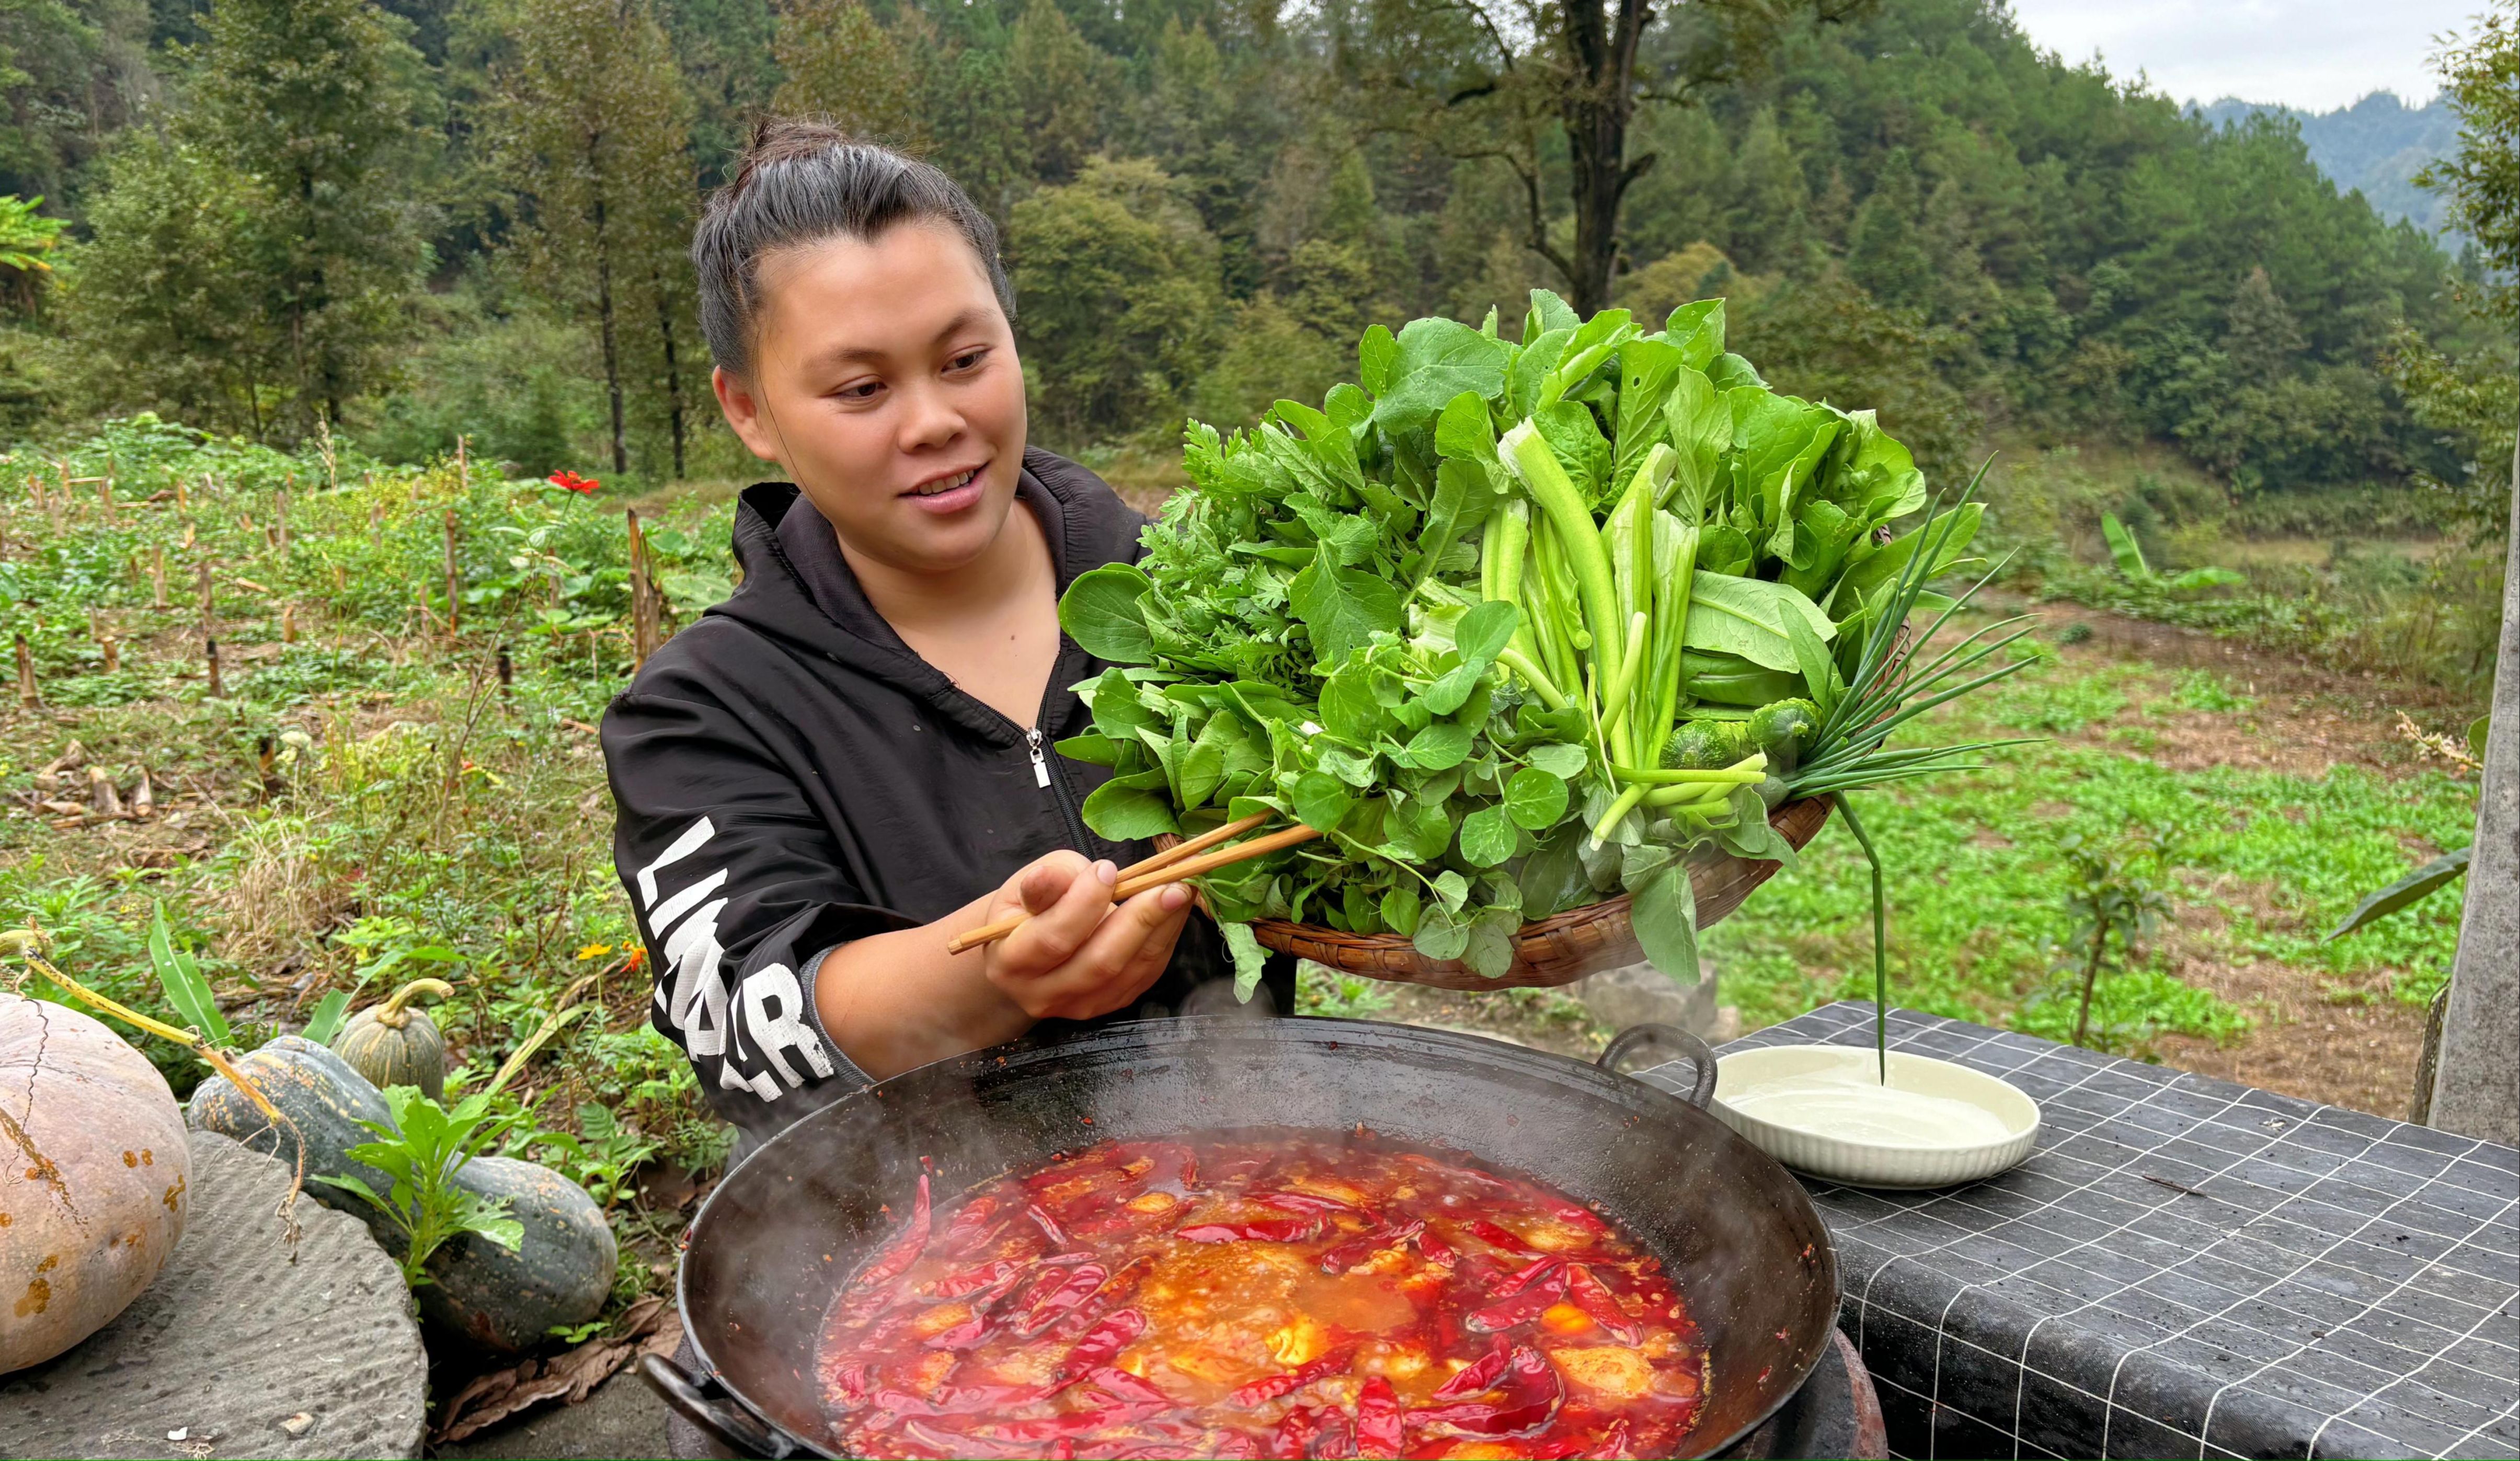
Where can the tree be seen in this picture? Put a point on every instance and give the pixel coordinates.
(2473, 398)
(70, 75)
(593, 130)
(1884, 253)
(1512, 79)
(24, 235)
(310, 97)
(842, 64)
(1059, 82)
(2260, 335)
(170, 308)
(1116, 279)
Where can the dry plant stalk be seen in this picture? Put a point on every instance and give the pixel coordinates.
(289, 624)
(157, 573)
(25, 674)
(211, 655)
(453, 609)
(2438, 745)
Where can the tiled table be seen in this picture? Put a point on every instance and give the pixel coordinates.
(2183, 1267)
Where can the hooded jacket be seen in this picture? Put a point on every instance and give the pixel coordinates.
(789, 775)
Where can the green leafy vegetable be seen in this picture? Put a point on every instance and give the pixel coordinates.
(1452, 617)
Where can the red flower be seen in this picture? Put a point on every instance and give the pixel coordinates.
(573, 481)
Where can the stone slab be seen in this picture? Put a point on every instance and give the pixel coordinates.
(238, 1337)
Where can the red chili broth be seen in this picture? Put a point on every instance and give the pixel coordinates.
(1303, 1293)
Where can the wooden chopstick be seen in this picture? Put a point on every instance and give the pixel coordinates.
(1131, 887)
(1180, 851)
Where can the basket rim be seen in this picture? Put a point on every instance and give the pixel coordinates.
(1575, 917)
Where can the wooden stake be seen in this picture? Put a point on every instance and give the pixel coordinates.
(113, 653)
(376, 516)
(643, 595)
(453, 609)
(507, 666)
(463, 466)
(143, 797)
(25, 674)
(35, 480)
(101, 796)
(279, 516)
(157, 576)
(211, 657)
(208, 604)
(104, 497)
(289, 624)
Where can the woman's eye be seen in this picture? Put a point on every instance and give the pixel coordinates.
(968, 360)
(861, 390)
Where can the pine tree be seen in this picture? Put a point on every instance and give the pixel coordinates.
(309, 96)
(842, 64)
(1059, 81)
(1770, 196)
(1882, 252)
(592, 132)
(2260, 335)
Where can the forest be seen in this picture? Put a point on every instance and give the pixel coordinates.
(421, 220)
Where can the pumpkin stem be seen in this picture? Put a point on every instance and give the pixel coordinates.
(391, 1015)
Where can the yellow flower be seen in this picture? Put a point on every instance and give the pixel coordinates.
(595, 950)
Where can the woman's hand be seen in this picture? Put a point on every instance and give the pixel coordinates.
(1076, 955)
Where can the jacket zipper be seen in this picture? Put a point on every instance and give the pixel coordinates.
(1042, 773)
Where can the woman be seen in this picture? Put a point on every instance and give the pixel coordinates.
(853, 759)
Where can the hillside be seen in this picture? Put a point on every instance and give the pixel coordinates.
(2376, 145)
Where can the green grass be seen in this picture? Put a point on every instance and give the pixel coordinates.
(1975, 900)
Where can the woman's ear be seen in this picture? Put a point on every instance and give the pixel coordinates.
(743, 413)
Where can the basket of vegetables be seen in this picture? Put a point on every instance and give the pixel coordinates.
(1560, 646)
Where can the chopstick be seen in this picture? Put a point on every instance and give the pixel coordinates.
(1180, 851)
(1171, 873)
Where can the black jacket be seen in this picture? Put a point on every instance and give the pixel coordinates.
(789, 776)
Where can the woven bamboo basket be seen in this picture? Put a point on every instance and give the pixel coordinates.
(1548, 951)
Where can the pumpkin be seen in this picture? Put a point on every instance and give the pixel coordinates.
(325, 1101)
(393, 1043)
(561, 1274)
(93, 1172)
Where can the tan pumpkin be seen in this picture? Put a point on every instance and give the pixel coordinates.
(394, 1043)
(93, 1173)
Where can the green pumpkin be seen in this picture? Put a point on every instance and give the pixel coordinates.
(395, 1045)
(328, 1105)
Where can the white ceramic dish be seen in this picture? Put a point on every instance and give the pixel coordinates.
(1846, 1146)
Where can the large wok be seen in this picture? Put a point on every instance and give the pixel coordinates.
(775, 1239)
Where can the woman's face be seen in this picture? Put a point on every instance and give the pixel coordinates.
(884, 380)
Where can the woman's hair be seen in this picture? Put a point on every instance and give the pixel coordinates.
(803, 180)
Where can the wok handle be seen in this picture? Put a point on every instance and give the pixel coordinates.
(724, 1421)
(1689, 1048)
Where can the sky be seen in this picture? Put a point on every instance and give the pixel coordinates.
(2317, 55)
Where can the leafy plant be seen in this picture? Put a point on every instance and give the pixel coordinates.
(2129, 556)
(422, 1148)
(600, 1156)
(2114, 895)
(179, 975)
(387, 946)
(326, 1020)
(1460, 619)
